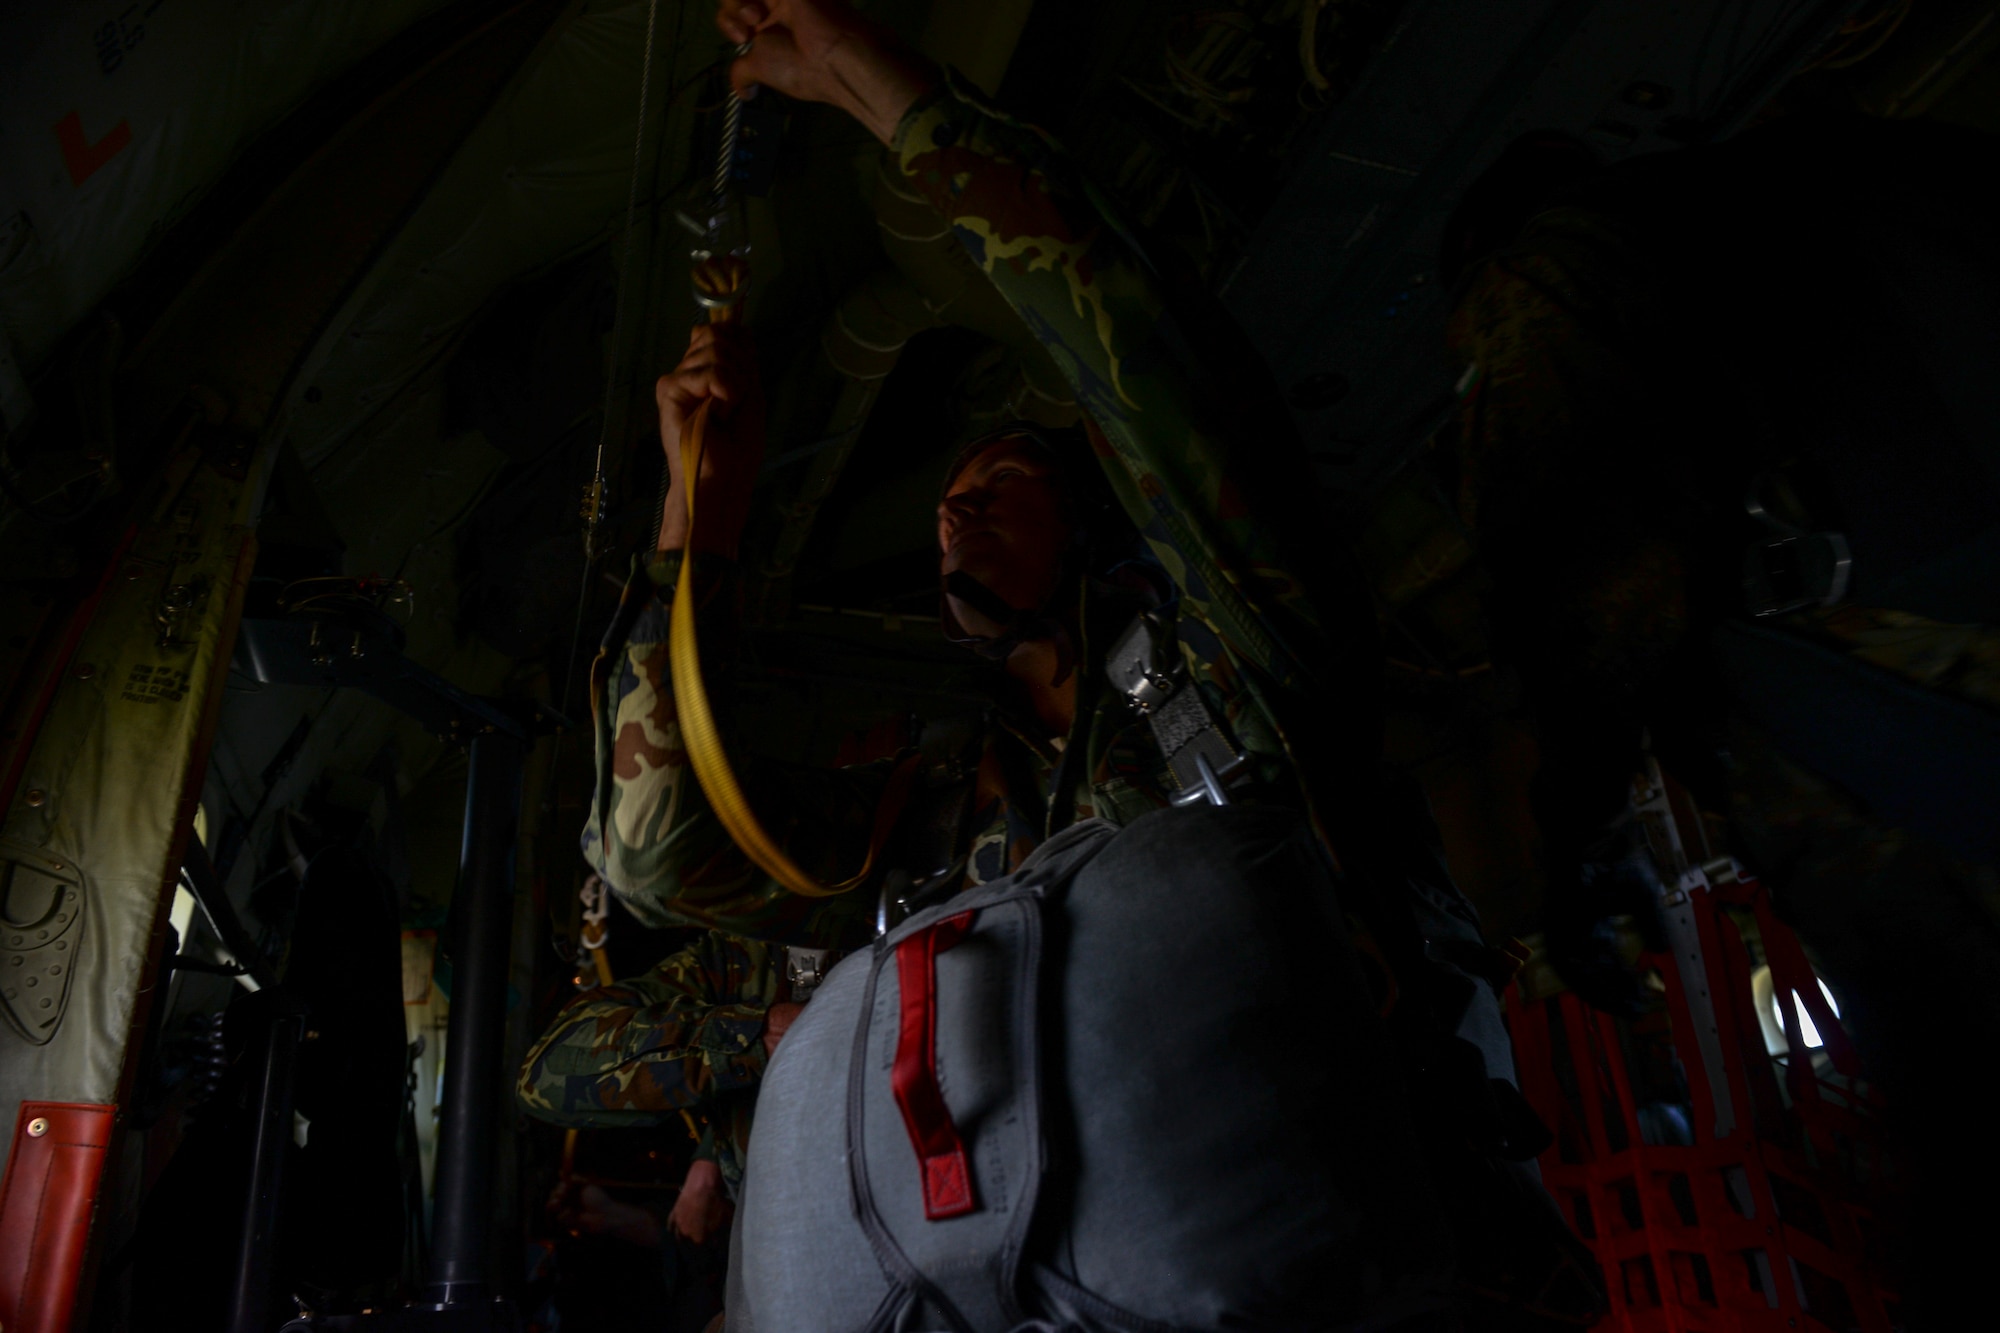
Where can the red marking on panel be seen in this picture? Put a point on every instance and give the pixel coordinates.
(45, 1207)
(83, 157)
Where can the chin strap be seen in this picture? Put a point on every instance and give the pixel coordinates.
(720, 282)
(1019, 626)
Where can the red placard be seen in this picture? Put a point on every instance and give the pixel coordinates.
(45, 1207)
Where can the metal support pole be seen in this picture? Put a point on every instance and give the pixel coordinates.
(250, 1294)
(462, 1211)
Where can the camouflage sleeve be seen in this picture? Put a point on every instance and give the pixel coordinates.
(709, 1147)
(652, 834)
(725, 1139)
(635, 1052)
(1214, 498)
(1562, 484)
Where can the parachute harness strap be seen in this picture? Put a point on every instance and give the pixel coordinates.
(719, 281)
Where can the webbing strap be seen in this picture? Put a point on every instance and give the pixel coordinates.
(697, 719)
(940, 1149)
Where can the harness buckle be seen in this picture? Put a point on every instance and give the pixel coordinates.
(1138, 665)
(805, 969)
(1791, 568)
(1143, 667)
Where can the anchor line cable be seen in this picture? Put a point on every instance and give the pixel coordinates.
(595, 514)
(720, 278)
(725, 161)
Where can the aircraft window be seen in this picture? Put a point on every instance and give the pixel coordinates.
(1771, 1014)
(181, 915)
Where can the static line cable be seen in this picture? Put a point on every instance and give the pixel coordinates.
(732, 128)
(593, 497)
(713, 233)
(593, 504)
(721, 275)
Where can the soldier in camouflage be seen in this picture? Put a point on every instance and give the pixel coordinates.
(1188, 499)
(1221, 550)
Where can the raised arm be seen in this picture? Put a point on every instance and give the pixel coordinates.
(1207, 464)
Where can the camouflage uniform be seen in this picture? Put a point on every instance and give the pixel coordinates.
(687, 1035)
(1189, 474)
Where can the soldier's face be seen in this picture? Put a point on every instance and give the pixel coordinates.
(1003, 522)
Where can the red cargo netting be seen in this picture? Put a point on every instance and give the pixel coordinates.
(1727, 1171)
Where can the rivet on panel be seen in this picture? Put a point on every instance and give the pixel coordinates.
(37, 1127)
(85, 670)
(36, 796)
